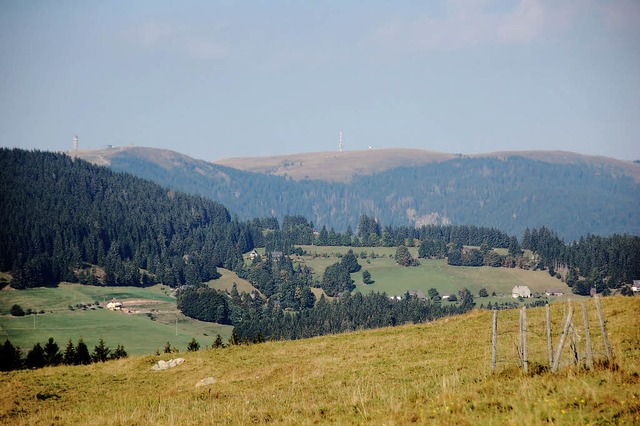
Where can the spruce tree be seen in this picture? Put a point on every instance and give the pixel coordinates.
(35, 357)
(52, 353)
(69, 357)
(82, 353)
(118, 353)
(218, 342)
(10, 357)
(100, 352)
(193, 345)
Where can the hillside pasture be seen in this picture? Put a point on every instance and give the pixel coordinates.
(394, 279)
(227, 279)
(148, 320)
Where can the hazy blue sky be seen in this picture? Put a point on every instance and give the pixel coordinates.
(215, 79)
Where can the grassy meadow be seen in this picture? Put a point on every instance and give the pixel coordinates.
(394, 279)
(435, 373)
(149, 318)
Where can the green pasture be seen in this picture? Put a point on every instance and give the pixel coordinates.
(394, 279)
(143, 333)
(140, 333)
(59, 298)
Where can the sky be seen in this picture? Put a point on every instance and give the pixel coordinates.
(218, 79)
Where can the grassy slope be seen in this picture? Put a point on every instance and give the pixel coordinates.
(227, 279)
(430, 373)
(393, 279)
(136, 332)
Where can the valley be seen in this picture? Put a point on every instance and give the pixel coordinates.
(150, 318)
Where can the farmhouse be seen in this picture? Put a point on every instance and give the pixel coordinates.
(554, 292)
(114, 305)
(636, 286)
(253, 254)
(520, 291)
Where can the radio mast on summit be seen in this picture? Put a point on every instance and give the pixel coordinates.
(75, 143)
(341, 144)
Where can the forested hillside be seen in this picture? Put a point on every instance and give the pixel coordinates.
(66, 219)
(508, 192)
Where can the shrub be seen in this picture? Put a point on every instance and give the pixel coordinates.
(17, 311)
(193, 345)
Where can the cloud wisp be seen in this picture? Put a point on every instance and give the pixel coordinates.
(176, 38)
(467, 24)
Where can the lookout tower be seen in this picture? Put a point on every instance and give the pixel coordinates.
(75, 143)
(341, 144)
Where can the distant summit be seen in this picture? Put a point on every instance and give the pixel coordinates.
(343, 166)
(571, 193)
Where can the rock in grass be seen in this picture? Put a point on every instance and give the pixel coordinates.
(206, 382)
(165, 365)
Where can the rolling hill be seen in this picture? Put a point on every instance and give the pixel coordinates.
(570, 193)
(343, 166)
(434, 373)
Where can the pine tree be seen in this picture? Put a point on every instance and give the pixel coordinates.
(118, 353)
(234, 339)
(350, 262)
(82, 353)
(100, 352)
(69, 357)
(193, 345)
(218, 342)
(10, 357)
(35, 357)
(52, 353)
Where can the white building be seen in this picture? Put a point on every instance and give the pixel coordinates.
(520, 291)
(114, 305)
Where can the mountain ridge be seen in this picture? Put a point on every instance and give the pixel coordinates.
(568, 192)
(339, 166)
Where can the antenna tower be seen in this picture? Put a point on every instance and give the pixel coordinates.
(75, 143)
(341, 144)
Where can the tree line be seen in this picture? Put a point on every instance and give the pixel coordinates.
(50, 355)
(257, 320)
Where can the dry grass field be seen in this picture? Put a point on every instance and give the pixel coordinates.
(435, 373)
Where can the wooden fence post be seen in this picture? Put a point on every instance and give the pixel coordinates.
(494, 340)
(523, 339)
(587, 333)
(549, 342)
(567, 324)
(603, 326)
(574, 344)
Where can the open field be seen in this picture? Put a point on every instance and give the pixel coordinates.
(227, 279)
(149, 318)
(394, 279)
(435, 373)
